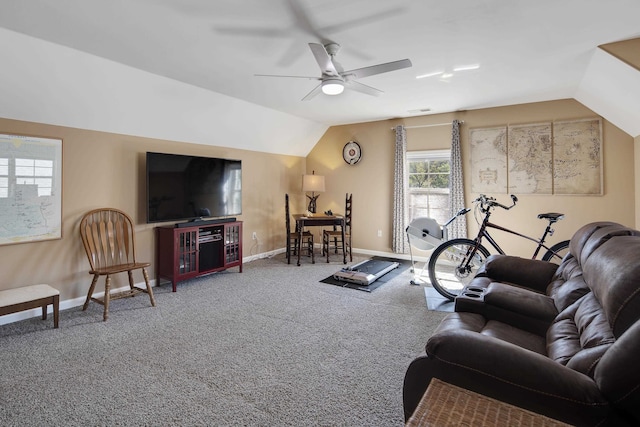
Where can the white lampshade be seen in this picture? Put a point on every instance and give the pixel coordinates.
(332, 86)
(313, 183)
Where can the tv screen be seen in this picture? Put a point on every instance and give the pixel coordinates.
(190, 187)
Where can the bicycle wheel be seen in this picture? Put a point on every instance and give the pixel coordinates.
(450, 269)
(557, 252)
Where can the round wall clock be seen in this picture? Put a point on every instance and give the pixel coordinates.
(351, 153)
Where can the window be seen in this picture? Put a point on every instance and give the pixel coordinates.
(429, 184)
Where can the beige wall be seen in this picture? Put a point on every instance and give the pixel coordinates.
(371, 180)
(104, 169)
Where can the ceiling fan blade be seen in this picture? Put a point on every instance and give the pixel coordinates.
(316, 90)
(359, 87)
(323, 59)
(293, 52)
(252, 32)
(335, 28)
(291, 77)
(303, 20)
(359, 73)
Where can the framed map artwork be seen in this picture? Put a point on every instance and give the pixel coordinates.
(488, 160)
(577, 157)
(30, 189)
(563, 157)
(529, 159)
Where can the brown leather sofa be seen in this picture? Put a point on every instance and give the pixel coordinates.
(562, 341)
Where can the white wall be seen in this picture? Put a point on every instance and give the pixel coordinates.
(49, 83)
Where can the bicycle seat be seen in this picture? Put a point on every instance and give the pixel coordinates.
(551, 216)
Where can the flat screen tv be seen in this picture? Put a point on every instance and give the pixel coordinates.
(183, 187)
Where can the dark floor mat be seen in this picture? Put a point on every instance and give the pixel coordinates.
(379, 282)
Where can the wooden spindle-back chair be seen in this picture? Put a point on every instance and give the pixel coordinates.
(293, 236)
(332, 239)
(108, 237)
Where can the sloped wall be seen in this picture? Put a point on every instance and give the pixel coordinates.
(371, 180)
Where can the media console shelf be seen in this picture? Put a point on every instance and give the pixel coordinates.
(192, 251)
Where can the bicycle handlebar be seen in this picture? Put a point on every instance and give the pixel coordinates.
(487, 203)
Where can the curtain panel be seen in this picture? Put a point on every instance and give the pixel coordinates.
(400, 188)
(457, 228)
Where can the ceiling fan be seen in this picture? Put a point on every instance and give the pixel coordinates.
(305, 23)
(334, 79)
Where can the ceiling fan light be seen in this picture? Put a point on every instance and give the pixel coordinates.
(332, 87)
(422, 76)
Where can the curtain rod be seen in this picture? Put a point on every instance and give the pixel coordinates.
(428, 126)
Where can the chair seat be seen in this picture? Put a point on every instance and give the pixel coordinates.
(336, 233)
(113, 269)
(304, 234)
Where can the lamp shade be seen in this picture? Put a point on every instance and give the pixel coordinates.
(313, 183)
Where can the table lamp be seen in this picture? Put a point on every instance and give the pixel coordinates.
(315, 184)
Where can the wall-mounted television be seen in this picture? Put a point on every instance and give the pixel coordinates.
(183, 187)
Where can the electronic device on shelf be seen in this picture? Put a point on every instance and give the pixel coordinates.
(192, 188)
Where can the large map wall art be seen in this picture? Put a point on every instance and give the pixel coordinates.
(30, 188)
(543, 158)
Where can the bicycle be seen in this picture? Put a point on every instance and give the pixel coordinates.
(455, 262)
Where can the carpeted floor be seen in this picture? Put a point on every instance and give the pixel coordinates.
(270, 346)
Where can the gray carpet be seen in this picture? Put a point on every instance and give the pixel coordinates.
(269, 347)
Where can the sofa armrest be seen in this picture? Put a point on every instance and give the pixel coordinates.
(527, 273)
(518, 307)
(508, 373)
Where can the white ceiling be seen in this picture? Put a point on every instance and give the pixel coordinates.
(528, 51)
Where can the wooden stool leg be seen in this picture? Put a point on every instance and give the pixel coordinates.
(107, 289)
(56, 310)
(90, 293)
(44, 311)
(149, 291)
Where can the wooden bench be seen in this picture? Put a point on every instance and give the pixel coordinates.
(28, 297)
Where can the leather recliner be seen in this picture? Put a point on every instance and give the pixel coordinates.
(561, 341)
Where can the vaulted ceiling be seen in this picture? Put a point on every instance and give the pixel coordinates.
(186, 69)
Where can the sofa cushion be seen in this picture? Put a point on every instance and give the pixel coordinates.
(618, 372)
(581, 236)
(568, 285)
(614, 278)
(478, 323)
(576, 332)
